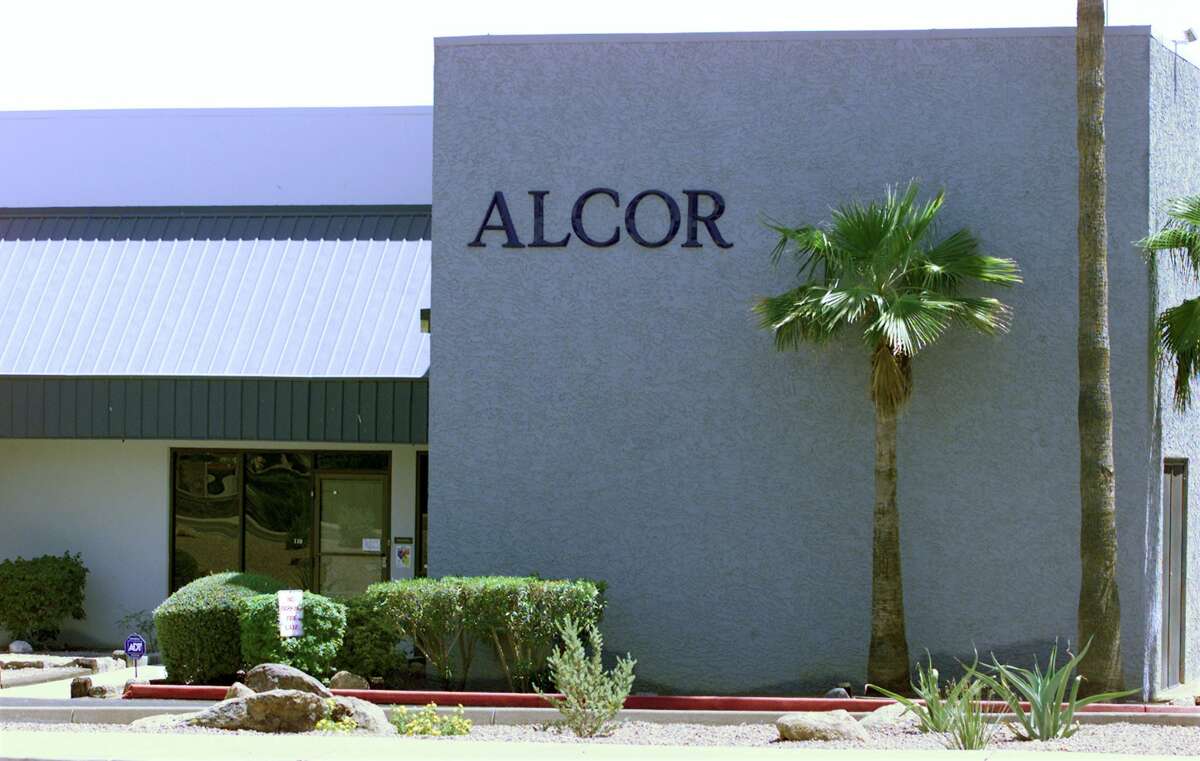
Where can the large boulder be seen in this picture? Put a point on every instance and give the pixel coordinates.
(890, 715)
(368, 716)
(819, 725)
(238, 690)
(277, 676)
(20, 647)
(344, 680)
(272, 711)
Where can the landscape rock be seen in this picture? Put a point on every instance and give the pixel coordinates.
(344, 680)
(890, 715)
(238, 690)
(819, 725)
(162, 721)
(104, 691)
(369, 717)
(277, 676)
(271, 711)
(837, 693)
(119, 655)
(20, 646)
(81, 686)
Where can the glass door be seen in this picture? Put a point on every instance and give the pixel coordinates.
(353, 532)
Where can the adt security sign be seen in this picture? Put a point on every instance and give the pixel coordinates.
(291, 613)
(135, 648)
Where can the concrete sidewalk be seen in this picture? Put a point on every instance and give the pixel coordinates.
(127, 746)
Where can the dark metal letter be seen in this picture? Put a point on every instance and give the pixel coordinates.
(577, 217)
(631, 219)
(709, 220)
(498, 204)
(539, 223)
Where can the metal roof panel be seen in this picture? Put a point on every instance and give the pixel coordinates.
(324, 292)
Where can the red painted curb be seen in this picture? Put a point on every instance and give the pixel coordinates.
(650, 702)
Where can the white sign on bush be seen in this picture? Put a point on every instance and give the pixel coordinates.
(291, 612)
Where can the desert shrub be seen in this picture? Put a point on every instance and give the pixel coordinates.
(1052, 695)
(428, 721)
(518, 617)
(933, 710)
(429, 612)
(199, 628)
(969, 726)
(591, 696)
(36, 595)
(313, 652)
(369, 648)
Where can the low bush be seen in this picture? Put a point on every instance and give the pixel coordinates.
(518, 617)
(429, 612)
(314, 652)
(370, 647)
(36, 595)
(199, 626)
(428, 721)
(591, 696)
(447, 618)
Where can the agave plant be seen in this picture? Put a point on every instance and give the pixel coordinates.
(934, 712)
(1052, 695)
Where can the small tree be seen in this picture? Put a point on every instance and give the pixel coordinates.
(879, 268)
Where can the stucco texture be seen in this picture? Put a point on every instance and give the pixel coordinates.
(1174, 172)
(616, 413)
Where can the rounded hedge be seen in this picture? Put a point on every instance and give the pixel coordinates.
(314, 652)
(199, 627)
(371, 648)
(36, 595)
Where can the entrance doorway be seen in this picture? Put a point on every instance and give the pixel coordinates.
(313, 520)
(1174, 571)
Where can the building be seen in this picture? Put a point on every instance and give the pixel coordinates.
(601, 401)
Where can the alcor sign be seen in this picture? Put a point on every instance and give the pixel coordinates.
(498, 218)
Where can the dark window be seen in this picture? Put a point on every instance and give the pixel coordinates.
(256, 511)
(207, 529)
(352, 461)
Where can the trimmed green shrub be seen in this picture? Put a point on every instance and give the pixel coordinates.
(313, 652)
(369, 648)
(445, 618)
(518, 617)
(36, 595)
(430, 612)
(199, 627)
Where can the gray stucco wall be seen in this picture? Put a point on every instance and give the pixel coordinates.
(1174, 172)
(616, 412)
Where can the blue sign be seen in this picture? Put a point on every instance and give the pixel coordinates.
(135, 646)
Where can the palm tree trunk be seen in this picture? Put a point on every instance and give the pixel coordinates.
(1099, 605)
(887, 661)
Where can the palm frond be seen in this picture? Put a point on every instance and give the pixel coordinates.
(956, 259)
(1179, 338)
(796, 317)
(983, 313)
(1186, 210)
(1179, 242)
(909, 322)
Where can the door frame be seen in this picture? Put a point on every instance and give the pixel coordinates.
(1170, 464)
(385, 546)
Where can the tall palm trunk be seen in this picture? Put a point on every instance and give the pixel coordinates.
(887, 660)
(1099, 604)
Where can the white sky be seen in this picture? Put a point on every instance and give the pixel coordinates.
(245, 53)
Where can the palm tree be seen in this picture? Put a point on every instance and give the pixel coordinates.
(879, 268)
(1179, 326)
(1099, 614)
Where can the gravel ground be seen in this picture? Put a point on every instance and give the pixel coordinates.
(1096, 738)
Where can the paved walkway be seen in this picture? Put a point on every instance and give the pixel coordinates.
(61, 688)
(123, 746)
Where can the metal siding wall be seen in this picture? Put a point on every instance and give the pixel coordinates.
(391, 411)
